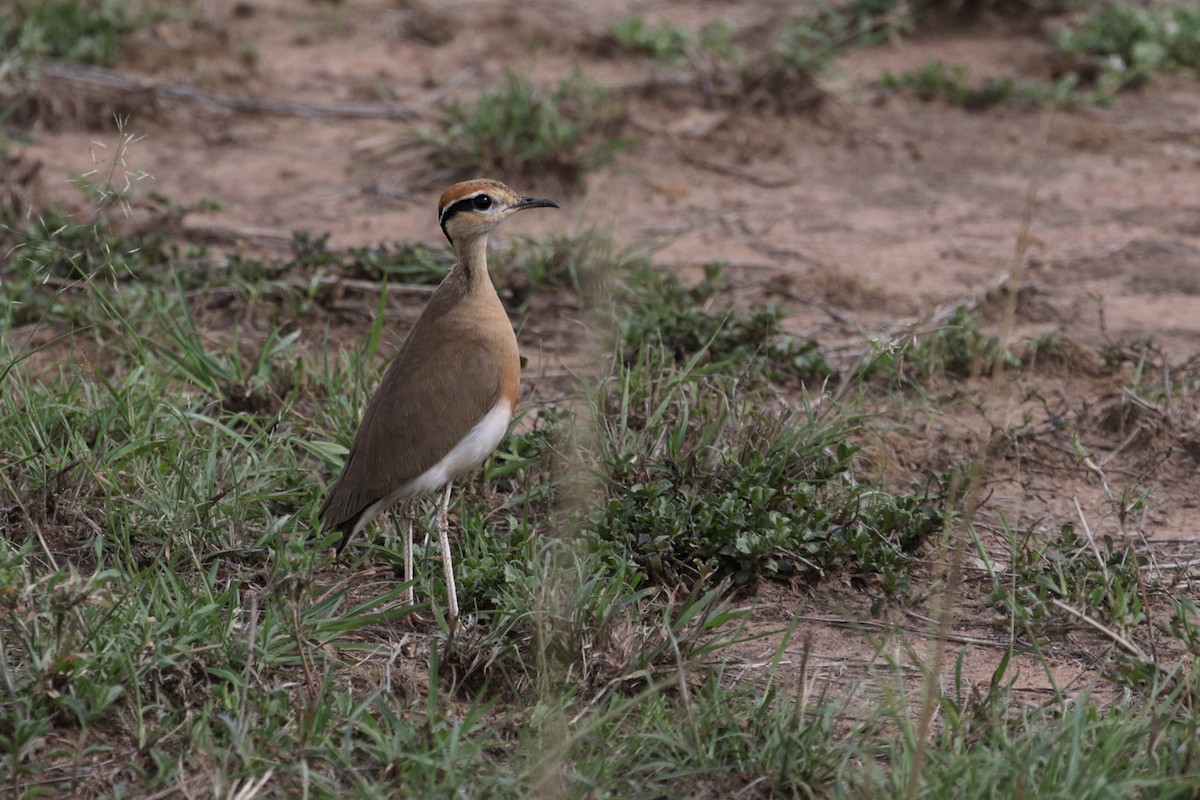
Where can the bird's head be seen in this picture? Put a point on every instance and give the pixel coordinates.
(470, 209)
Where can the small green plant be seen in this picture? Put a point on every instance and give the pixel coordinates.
(955, 347)
(665, 312)
(519, 130)
(1099, 579)
(413, 263)
(872, 21)
(56, 245)
(821, 36)
(784, 77)
(1128, 44)
(809, 46)
(958, 347)
(408, 262)
(83, 31)
(50, 258)
(672, 44)
(934, 81)
(781, 77)
(664, 43)
(249, 379)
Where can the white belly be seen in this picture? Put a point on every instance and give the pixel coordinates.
(467, 454)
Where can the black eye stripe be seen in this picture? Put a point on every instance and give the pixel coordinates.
(466, 204)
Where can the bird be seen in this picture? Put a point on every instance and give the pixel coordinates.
(446, 399)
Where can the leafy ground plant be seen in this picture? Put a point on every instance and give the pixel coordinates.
(83, 31)
(693, 326)
(1128, 44)
(955, 347)
(670, 43)
(779, 76)
(1055, 575)
(821, 36)
(566, 132)
(936, 81)
(1115, 46)
(700, 479)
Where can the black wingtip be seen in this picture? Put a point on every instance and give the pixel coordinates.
(347, 532)
(346, 527)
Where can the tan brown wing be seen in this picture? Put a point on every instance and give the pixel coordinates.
(417, 416)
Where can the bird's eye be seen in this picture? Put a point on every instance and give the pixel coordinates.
(483, 202)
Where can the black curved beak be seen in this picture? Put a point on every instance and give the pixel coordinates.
(534, 202)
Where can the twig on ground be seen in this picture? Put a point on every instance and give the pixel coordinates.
(1087, 530)
(881, 626)
(836, 315)
(442, 92)
(186, 93)
(733, 172)
(1120, 641)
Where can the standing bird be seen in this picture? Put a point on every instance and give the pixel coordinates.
(446, 400)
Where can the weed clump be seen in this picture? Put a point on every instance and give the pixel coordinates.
(51, 255)
(663, 311)
(403, 262)
(81, 31)
(953, 84)
(955, 348)
(1128, 44)
(772, 70)
(1099, 577)
(669, 43)
(55, 245)
(518, 130)
(581, 263)
(1114, 47)
(701, 477)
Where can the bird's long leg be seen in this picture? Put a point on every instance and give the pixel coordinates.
(408, 551)
(443, 529)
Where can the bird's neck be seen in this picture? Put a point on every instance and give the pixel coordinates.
(472, 260)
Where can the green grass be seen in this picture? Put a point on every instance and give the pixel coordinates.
(953, 84)
(418, 264)
(955, 348)
(1070, 746)
(823, 35)
(581, 264)
(664, 42)
(82, 31)
(669, 43)
(811, 42)
(1115, 45)
(518, 130)
(691, 324)
(1128, 44)
(1101, 579)
(169, 623)
(776, 70)
(700, 480)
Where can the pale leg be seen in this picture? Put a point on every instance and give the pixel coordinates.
(443, 529)
(408, 552)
